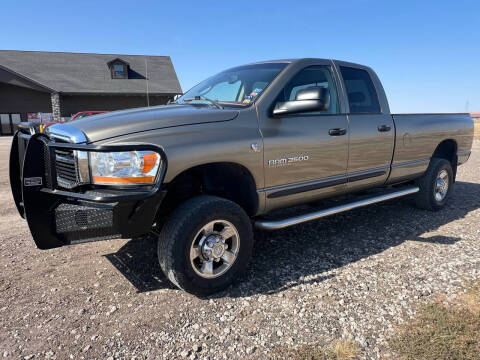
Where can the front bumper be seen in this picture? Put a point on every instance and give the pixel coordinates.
(58, 217)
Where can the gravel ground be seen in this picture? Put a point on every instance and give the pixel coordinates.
(354, 275)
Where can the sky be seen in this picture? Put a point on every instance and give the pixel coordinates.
(426, 53)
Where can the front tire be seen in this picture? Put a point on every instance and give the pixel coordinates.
(435, 185)
(205, 244)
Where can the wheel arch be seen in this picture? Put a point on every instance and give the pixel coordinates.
(447, 149)
(228, 180)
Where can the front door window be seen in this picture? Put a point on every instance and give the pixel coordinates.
(9, 123)
(16, 119)
(5, 124)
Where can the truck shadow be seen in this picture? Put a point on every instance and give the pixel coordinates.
(137, 261)
(309, 253)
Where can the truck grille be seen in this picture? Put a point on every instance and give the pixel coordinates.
(66, 166)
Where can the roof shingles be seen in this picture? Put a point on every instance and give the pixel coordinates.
(89, 73)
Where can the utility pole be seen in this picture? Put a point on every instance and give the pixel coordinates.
(146, 76)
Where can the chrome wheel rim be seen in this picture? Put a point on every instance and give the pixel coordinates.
(214, 249)
(441, 185)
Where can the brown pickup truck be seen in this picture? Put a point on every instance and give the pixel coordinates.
(201, 172)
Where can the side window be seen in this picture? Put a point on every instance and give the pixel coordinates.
(361, 92)
(317, 75)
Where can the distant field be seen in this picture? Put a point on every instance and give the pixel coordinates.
(477, 129)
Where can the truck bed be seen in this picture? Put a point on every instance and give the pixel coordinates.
(418, 135)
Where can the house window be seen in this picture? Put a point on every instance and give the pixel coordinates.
(119, 71)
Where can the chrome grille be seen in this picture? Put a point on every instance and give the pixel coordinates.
(66, 167)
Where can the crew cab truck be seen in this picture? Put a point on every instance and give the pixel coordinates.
(201, 172)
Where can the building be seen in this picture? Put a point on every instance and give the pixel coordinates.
(43, 86)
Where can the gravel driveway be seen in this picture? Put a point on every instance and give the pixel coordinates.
(354, 275)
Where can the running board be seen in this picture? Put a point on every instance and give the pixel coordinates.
(280, 224)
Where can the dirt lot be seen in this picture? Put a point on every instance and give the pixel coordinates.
(351, 276)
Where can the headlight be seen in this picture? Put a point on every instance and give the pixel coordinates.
(126, 167)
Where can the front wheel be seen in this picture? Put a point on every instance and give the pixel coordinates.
(435, 185)
(205, 244)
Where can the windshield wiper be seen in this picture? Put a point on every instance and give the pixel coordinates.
(200, 97)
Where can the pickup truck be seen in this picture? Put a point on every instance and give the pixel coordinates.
(202, 172)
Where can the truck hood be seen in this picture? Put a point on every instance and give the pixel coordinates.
(113, 124)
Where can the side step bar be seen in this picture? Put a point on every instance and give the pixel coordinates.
(280, 224)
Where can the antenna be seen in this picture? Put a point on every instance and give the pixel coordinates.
(467, 105)
(146, 76)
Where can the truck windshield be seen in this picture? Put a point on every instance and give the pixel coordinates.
(238, 86)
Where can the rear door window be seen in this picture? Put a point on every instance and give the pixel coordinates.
(361, 92)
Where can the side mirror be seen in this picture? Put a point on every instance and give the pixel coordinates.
(314, 98)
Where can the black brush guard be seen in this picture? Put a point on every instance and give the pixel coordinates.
(58, 217)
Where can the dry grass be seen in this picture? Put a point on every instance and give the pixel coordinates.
(471, 299)
(345, 350)
(341, 350)
(477, 129)
(443, 331)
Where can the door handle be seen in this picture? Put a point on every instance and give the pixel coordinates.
(384, 128)
(337, 132)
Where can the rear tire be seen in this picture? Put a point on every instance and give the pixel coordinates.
(435, 185)
(205, 244)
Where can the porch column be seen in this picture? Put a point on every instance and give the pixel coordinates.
(56, 109)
